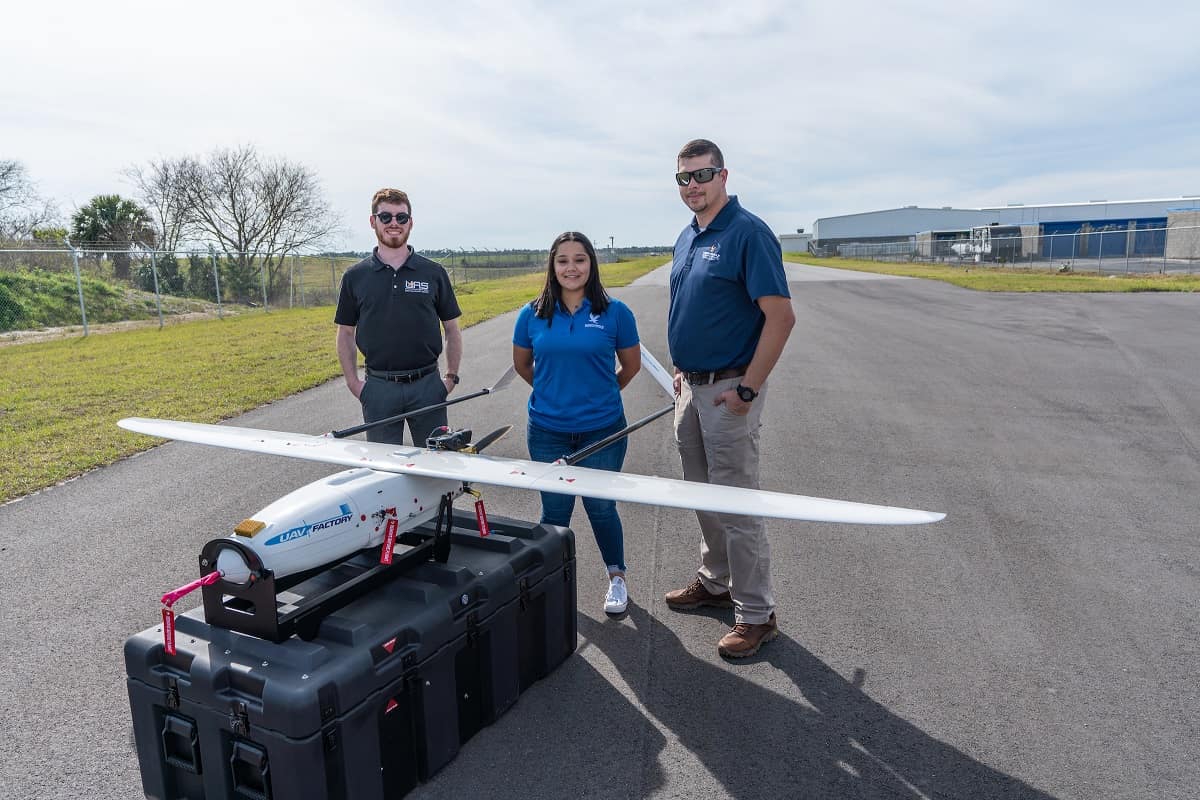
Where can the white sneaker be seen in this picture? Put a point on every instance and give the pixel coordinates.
(617, 599)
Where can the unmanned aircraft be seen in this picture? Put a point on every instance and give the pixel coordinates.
(390, 489)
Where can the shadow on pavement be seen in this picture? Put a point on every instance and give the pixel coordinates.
(557, 742)
(761, 742)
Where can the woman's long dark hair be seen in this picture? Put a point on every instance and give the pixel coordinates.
(551, 295)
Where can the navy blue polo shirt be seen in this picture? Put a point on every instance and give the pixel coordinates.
(397, 313)
(574, 364)
(717, 276)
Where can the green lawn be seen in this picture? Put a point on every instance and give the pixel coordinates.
(994, 279)
(60, 400)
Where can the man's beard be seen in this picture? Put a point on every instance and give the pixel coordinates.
(393, 241)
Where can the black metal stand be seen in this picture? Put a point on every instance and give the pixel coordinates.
(254, 607)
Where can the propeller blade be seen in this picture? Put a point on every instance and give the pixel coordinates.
(490, 438)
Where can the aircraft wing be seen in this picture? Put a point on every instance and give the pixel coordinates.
(536, 475)
(658, 372)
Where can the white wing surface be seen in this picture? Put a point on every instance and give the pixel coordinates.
(658, 372)
(535, 475)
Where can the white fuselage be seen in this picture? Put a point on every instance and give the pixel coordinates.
(333, 517)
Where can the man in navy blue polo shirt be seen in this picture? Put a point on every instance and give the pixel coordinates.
(729, 319)
(393, 307)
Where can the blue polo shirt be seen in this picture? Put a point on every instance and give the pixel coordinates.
(574, 364)
(717, 276)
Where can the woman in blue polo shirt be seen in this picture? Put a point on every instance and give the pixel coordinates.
(578, 348)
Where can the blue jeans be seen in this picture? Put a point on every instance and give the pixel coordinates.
(548, 445)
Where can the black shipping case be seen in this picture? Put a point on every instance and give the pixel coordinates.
(379, 700)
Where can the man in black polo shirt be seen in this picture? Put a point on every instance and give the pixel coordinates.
(393, 307)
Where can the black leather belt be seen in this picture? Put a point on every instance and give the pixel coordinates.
(704, 378)
(403, 376)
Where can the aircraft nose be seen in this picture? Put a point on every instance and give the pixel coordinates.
(233, 567)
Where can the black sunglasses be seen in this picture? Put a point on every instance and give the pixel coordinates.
(386, 217)
(701, 175)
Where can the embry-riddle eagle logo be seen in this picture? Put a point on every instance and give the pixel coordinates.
(712, 253)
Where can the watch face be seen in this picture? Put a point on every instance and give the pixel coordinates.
(746, 393)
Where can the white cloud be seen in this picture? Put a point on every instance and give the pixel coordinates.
(509, 122)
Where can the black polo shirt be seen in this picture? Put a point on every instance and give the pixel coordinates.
(397, 313)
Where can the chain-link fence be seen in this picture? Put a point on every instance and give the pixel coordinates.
(44, 288)
(1129, 248)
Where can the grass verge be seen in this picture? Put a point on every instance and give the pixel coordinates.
(994, 279)
(60, 400)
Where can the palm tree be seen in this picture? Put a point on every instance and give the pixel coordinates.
(113, 223)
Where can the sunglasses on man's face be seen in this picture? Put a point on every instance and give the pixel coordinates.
(701, 175)
(386, 217)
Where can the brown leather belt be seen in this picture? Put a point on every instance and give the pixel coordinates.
(406, 376)
(704, 378)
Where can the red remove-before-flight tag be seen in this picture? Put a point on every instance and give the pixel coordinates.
(389, 541)
(169, 631)
(481, 517)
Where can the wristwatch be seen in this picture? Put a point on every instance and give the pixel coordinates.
(453, 376)
(746, 393)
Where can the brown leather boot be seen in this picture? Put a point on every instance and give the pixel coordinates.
(695, 595)
(745, 638)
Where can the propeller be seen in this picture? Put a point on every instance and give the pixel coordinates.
(490, 438)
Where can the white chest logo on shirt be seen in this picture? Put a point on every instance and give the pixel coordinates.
(594, 322)
(421, 287)
(712, 253)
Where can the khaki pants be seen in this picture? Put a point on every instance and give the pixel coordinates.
(717, 446)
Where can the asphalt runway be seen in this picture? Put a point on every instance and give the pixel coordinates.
(1042, 641)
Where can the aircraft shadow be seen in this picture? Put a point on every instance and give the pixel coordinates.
(758, 742)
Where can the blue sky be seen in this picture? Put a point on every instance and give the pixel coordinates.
(509, 122)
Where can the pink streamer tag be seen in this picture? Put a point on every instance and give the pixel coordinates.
(389, 541)
(168, 631)
(481, 518)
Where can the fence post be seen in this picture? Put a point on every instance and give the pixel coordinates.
(212, 254)
(262, 273)
(292, 283)
(78, 284)
(157, 293)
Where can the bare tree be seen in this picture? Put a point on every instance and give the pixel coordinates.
(160, 188)
(259, 210)
(21, 208)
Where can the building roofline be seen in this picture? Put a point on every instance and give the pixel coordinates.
(901, 208)
(1193, 197)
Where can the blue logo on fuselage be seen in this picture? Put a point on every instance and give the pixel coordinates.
(304, 530)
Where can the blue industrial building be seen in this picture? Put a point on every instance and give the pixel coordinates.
(1096, 229)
